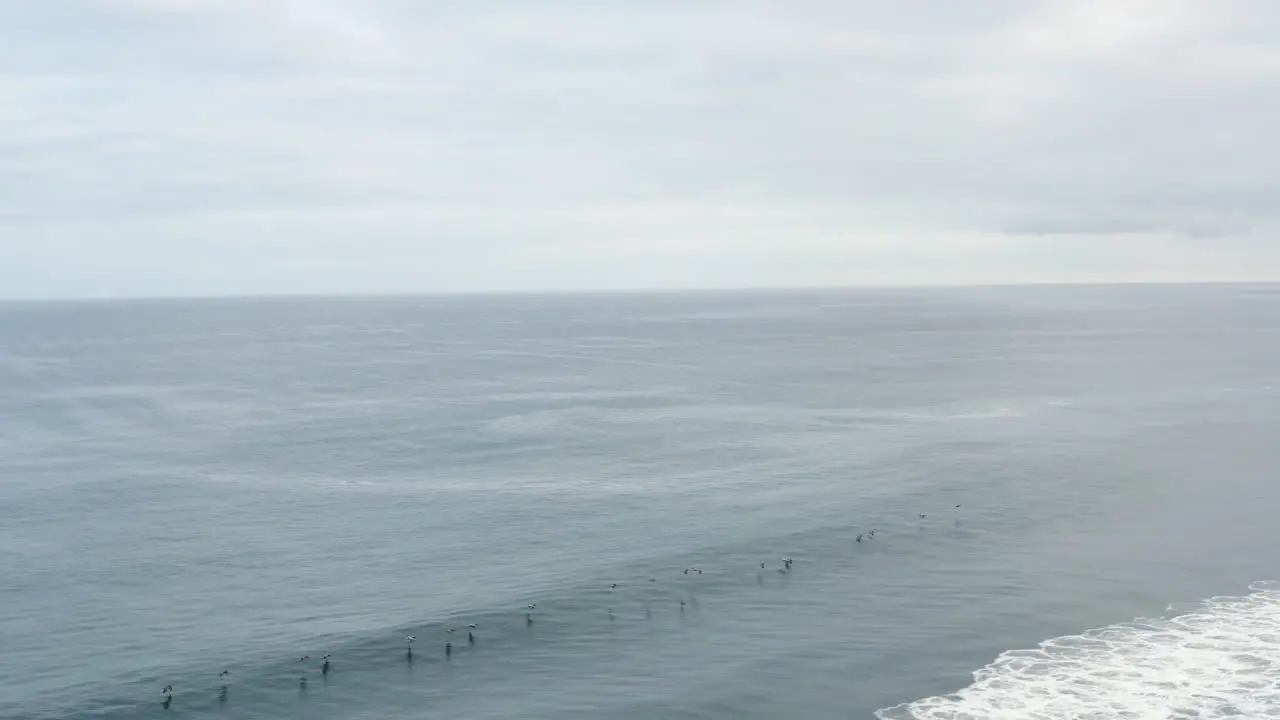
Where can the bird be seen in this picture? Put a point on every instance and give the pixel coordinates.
(225, 673)
(472, 626)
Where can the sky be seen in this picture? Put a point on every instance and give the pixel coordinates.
(242, 147)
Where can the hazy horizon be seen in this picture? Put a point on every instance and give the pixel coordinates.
(641, 291)
(215, 148)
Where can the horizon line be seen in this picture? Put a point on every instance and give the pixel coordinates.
(41, 300)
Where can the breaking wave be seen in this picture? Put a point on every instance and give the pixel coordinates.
(1221, 660)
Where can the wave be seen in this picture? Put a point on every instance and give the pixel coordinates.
(267, 680)
(572, 614)
(1220, 660)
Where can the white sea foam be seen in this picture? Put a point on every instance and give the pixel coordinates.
(1221, 660)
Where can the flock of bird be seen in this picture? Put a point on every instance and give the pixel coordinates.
(326, 665)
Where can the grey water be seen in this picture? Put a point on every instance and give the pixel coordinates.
(199, 485)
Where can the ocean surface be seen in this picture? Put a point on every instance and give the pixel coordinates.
(193, 486)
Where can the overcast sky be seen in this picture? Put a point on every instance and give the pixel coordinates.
(195, 147)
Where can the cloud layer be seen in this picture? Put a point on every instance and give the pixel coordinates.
(174, 147)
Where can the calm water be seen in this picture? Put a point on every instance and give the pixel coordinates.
(192, 486)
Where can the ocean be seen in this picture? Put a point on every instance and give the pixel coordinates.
(193, 486)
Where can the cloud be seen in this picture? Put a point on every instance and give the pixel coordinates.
(161, 146)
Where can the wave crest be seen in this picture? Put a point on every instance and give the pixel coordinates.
(1220, 660)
